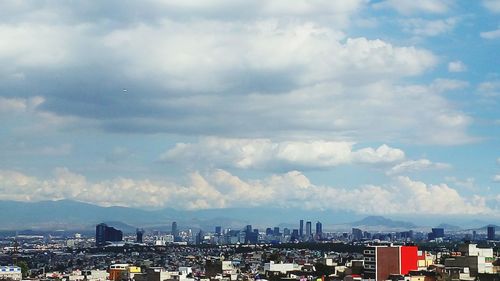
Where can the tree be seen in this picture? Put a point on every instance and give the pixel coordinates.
(24, 268)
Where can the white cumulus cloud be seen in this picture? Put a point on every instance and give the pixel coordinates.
(407, 7)
(492, 34)
(492, 5)
(264, 153)
(221, 189)
(456, 66)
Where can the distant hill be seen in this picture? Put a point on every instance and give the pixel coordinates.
(79, 216)
(64, 214)
(449, 227)
(379, 221)
(73, 215)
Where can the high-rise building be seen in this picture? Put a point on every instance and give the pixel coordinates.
(286, 231)
(491, 232)
(436, 233)
(139, 235)
(175, 231)
(218, 230)
(100, 234)
(295, 235)
(308, 230)
(276, 231)
(357, 234)
(104, 233)
(382, 261)
(199, 237)
(301, 228)
(319, 229)
(269, 231)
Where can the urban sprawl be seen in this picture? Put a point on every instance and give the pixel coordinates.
(251, 254)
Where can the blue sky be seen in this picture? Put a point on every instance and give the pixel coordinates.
(379, 107)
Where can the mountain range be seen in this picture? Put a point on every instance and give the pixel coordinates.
(79, 216)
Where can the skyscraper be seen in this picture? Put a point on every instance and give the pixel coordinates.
(491, 233)
(319, 229)
(276, 231)
(175, 232)
(301, 228)
(308, 230)
(357, 234)
(104, 233)
(100, 234)
(139, 235)
(218, 230)
(269, 231)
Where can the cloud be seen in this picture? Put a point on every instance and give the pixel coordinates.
(493, 34)
(287, 155)
(19, 105)
(424, 27)
(489, 89)
(221, 189)
(407, 7)
(258, 77)
(416, 166)
(441, 85)
(496, 178)
(29, 117)
(457, 66)
(468, 183)
(492, 5)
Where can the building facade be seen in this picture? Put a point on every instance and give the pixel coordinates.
(383, 261)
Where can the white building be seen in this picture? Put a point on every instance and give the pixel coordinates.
(281, 267)
(11, 272)
(164, 240)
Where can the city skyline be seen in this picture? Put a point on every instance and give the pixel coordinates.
(376, 107)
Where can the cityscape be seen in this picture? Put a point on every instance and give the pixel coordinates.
(250, 140)
(252, 254)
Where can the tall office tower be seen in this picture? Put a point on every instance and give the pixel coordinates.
(308, 230)
(276, 231)
(286, 231)
(319, 229)
(269, 231)
(491, 233)
(139, 235)
(175, 232)
(357, 234)
(248, 228)
(199, 238)
(301, 228)
(104, 233)
(100, 234)
(438, 232)
(218, 230)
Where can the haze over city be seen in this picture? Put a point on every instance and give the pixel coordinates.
(361, 107)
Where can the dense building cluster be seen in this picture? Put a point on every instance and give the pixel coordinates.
(250, 254)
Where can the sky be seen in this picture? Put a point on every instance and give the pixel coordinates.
(375, 107)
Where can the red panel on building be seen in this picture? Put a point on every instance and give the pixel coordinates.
(409, 259)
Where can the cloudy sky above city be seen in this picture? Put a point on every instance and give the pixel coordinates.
(376, 107)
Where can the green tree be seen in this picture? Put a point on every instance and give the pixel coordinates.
(24, 268)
